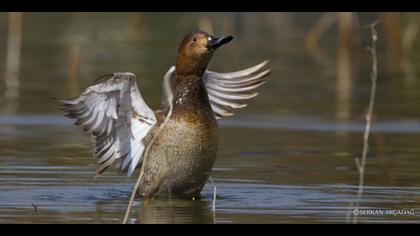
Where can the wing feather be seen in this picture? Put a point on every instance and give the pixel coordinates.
(115, 114)
(225, 90)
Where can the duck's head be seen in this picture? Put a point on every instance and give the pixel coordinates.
(195, 52)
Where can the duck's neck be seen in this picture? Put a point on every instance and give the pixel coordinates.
(190, 91)
(191, 96)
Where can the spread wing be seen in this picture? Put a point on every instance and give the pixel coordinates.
(115, 114)
(226, 91)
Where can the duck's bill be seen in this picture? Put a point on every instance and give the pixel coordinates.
(214, 43)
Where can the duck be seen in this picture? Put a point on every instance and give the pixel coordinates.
(176, 145)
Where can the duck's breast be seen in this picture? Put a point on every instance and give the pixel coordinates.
(182, 156)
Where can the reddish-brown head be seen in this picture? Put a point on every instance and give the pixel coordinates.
(195, 52)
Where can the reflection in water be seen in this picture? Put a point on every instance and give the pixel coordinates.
(175, 212)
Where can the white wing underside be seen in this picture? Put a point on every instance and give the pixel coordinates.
(115, 114)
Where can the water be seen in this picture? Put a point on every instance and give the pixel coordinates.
(289, 157)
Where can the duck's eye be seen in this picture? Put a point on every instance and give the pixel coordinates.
(194, 39)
